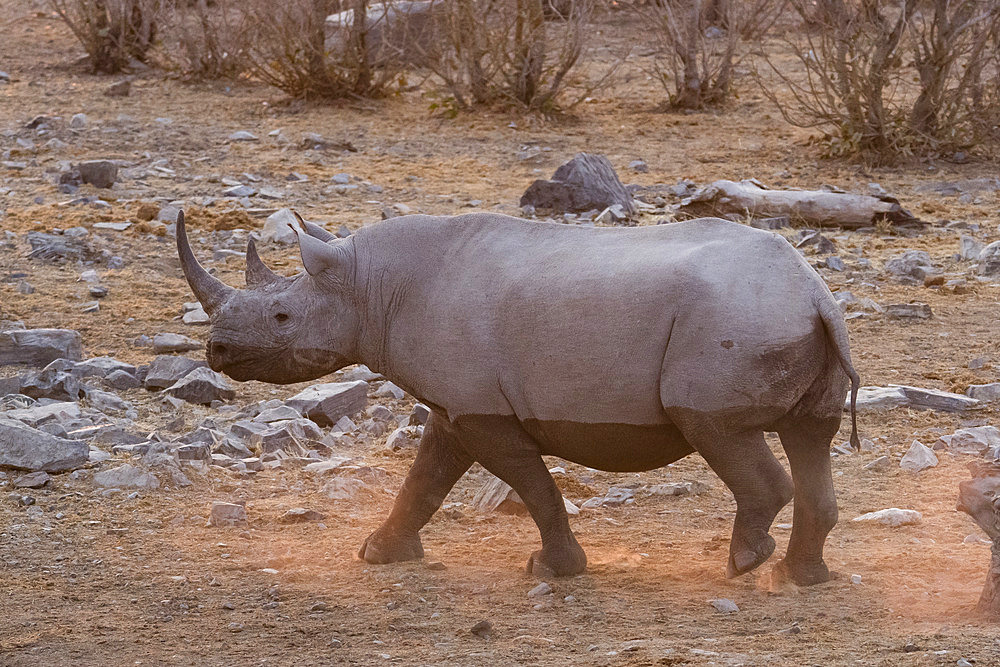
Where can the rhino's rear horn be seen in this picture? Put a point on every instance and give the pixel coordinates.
(257, 273)
(208, 289)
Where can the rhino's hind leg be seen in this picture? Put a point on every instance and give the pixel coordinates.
(504, 448)
(440, 462)
(807, 444)
(758, 481)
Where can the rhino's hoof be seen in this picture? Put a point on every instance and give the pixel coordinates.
(385, 547)
(745, 560)
(545, 565)
(807, 574)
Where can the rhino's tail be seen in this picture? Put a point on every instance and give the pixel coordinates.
(836, 331)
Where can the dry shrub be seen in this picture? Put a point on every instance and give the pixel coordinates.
(291, 46)
(699, 44)
(113, 32)
(506, 51)
(885, 79)
(210, 38)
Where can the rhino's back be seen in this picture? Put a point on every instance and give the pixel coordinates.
(559, 323)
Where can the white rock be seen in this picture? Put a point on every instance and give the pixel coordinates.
(280, 227)
(724, 606)
(126, 476)
(871, 399)
(389, 389)
(918, 457)
(984, 392)
(893, 517)
(541, 589)
(975, 441)
(27, 448)
(343, 488)
(226, 515)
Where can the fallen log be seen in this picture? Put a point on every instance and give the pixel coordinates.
(811, 208)
(980, 499)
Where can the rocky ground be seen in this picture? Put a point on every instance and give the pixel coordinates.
(173, 516)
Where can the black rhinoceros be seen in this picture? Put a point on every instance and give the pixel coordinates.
(621, 349)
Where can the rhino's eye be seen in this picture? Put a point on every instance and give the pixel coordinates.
(281, 317)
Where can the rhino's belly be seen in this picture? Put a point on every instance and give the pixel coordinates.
(608, 446)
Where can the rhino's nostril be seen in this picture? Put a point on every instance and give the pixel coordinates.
(216, 349)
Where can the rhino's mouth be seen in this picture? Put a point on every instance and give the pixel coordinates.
(274, 366)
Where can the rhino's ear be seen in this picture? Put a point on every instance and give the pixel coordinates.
(317, 256)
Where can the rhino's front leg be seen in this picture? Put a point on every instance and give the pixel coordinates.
(440, 462)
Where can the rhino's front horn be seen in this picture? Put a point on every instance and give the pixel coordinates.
(257, 272)
(208, 289)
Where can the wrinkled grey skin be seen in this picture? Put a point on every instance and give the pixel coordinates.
(621, 349)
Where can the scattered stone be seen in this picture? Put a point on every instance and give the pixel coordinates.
(856, 579)
(38, 347)
(27, 448)
(119, 89)
(419, 415)
(894, 396)
(678, 489)
(32, 480)
(881, 464)
(835, 263)
(239, 191)
(483, 629)
(984, 392)
(242, 135)
(343, 488)
(326, 403)
(901, 311)
(975, 441)
(388, 389)
(113, 226)
(911, 266)
(405, 437)
(724, 606)
(541, 589)
(165, 371)
(77, 122)
(808, 237)
(227, 515)
(166, 343)
(292, 437)
(196, 316)
(277, 413)
(126, 477)
(969, 248)
(893, 517)
(202, 385)
(329, 466)
(989, 260)
(300, 515)
(280, 228)
(497, 496)
(99, 173)
(101, 367)
(918, 457)
(586, 182)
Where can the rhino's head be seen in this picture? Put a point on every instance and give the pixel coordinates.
(280, 329)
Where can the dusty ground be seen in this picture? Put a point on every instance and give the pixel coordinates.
(143, 581)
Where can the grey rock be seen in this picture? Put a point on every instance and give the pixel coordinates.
(420, 414)
(678, 489)
(811, 237)
(196, 316)
(912, 265)
(976, 440)
(119, 89)
(27, 448)
(586, 182)
(78, 121)
(405, 437)
(390, 390)
(32, 480)
(39, 414)
(101, 367)
(893, 517)
(239, 191)
(166, 343)
(724, 606)
(326, 403)
(294, 437)
(541, 589)
(126, 477)
(202, 385)
(106, 401)
(38, 347)
(881, 464)
(165, 371)
(279, 413)
(835, 263)
(984, 392)
(24, 287)
(908, 311)
(328, 466)
(53, 383)
(227, 515)
(242, 135)
(989, 260)
(280, 228)
(343, 488)
(99, 173)
(301, 515)
(771, 224)
(918, 457)
(933, 399)
(969, 248)
(497, 496)
(639, 166)
(121, 380)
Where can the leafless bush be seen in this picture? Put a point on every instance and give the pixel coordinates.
(885, 79)
(113, 32)
(289, 47)
(207, 38)
(505, 51)
(699, 44)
